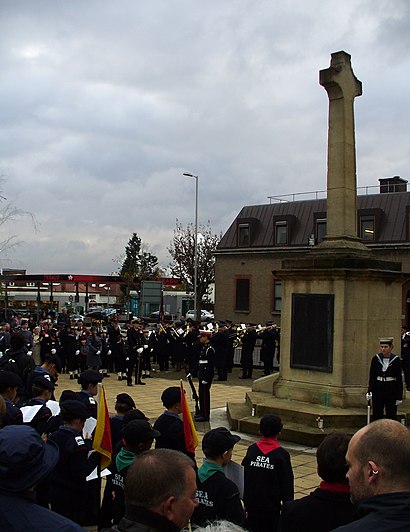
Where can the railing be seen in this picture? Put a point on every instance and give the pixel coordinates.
(321, 194)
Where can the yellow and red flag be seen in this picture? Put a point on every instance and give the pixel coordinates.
(102, 443)
(190, 435)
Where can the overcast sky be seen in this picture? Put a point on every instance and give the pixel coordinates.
(104, 104)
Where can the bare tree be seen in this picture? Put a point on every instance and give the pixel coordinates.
(9, 213)
(182, 251)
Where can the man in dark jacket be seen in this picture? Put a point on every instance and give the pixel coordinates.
(378, 459)
(160, 493)
(329, 506)
(217, 495)
(268, 477)
(248, 345)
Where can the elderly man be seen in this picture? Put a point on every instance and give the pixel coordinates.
(160, 492)
(378, 459)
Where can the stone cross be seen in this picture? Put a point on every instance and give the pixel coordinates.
(342, 87)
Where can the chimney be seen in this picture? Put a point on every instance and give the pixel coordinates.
(392, 184)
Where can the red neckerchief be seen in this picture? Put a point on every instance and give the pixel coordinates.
(335, 487)
(266, 445)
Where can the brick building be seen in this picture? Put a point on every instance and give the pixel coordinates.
(249, 256)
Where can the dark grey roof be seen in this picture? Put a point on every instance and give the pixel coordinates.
(392, 208)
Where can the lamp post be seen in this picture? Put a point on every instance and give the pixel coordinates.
(196, 245)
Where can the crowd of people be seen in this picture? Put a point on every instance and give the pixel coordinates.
(50, 475)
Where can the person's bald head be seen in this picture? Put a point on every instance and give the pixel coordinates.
(378, 457)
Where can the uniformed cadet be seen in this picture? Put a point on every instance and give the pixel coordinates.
(42, 390)
(218, 497)
(9, 384)
(268, 477)
(124, 403)
(267, 353)
(385, 381)
(68, 485)
(170, 425)
(89, 380)
(221, 344)
(205, 375)
(193, 346)
(405, 355)
(138, 437)
(135, 343)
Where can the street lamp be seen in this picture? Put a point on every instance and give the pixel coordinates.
(196, 245)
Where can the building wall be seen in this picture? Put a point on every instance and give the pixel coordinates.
(258, 267)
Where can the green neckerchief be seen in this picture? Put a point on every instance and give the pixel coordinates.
(207, 469)
(124, 459)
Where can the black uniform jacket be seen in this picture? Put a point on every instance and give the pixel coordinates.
(68, 485)
(268, 476)
(388, 383)
(172, 433)
(218, 499)
(206, 363)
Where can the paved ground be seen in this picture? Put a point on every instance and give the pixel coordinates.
(147, 399)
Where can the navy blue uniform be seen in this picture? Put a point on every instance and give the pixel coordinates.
(386, 385)
(68, 485)
(172, 433)
(268, 482)
(205, 377)
(218, 497)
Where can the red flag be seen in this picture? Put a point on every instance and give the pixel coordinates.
(102, 437)
(190, 435)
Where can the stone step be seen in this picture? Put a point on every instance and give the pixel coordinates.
(292, 432)
(300, 420)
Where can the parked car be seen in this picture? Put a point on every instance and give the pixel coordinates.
(76, 317)
(205, 315)
(154, 316)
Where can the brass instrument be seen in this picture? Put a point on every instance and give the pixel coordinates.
(242, 330)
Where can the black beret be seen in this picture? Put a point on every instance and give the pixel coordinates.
(75, 409)
(43, 383)
(90, 376)
(139, 431)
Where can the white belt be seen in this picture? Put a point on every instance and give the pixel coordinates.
(203, 362)
(388, 379)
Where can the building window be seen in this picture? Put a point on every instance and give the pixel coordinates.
(242, 295)
(367, 228)
(281, 233)
(321, 227)
(244, 237)
(30, 284)
(277, 295)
